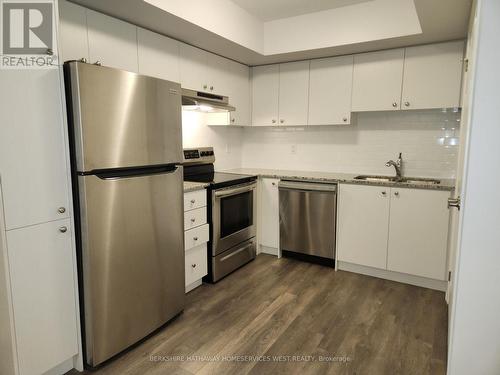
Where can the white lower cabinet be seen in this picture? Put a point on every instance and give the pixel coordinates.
(401, 230)
(363, 223)
(418, 232)
(196, 236)
(269, 216)
(43, 295)
(196, 264)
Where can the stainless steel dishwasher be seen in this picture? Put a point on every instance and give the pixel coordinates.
(307, 212)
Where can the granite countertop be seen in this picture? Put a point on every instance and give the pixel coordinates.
(446, 184)
(192, 186)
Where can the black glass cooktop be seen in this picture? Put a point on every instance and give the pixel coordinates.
(220, 179)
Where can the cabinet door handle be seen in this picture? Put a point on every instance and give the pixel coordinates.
(407, 104)
(195, 238)
(205, 87)
(282, 121)
(193, 265)
(232, 120)
(211, 88)
(61, 210)
(63, 229)
(344, 119)
(394, 104)
(193, 219)
(396, 193)
(273, 121)
(193, 201)
(384, 193)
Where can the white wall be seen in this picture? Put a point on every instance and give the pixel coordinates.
(475, 327)
(222, 17)
(358, 23)
(225, 140)
(426, 139)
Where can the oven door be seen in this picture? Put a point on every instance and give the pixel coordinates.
(234, 211)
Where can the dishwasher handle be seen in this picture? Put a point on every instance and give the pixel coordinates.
(307, 186)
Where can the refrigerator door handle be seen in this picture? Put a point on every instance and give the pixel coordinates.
(135, 172)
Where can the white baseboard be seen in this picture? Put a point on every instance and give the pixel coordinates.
(193, 285)
(61, 368)
(394, 276)
(269, 250)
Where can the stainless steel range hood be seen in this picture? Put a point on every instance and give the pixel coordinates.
(205, 102)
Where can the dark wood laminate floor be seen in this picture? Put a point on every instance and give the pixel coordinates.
(282, 307)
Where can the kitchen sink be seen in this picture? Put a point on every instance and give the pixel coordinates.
(404, 180)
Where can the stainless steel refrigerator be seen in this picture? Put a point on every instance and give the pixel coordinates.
(126, 147)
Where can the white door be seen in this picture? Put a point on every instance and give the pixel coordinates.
(193, 68)
(112, 42)
(265, 94)
(158, 55)
(330, 90)
(294, 93)
(239, 93)
(43, 295)
(362, 224)
(32, 147)
(377, 79)
(418, 232)
(433, 76)
(269, 215)
(459, 192)
(73, 32)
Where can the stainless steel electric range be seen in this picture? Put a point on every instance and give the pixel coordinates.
(232, 212)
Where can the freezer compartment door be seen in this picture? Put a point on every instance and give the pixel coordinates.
(132, 258)
(121, 119)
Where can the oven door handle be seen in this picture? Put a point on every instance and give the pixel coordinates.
(236, 190)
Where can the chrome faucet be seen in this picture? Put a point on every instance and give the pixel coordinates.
(398, 165)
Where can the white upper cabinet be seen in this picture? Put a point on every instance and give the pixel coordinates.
(330, 89)
(43, 295)
(265, 94)
(432, 76)
(239, 93)
(33, 169)
(363, 222)
(377, 78)
(418, 232)
(158, 55)
(294, 93)
(73, 32)
(112, 42)
(203, 71)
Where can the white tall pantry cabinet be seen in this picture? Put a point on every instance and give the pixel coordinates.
(39, 316)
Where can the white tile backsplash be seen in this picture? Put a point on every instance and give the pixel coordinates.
(428, 140)
(225, 140)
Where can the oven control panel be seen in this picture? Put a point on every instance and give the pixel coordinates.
(200, 155)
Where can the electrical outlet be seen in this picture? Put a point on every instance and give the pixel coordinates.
(293, 149)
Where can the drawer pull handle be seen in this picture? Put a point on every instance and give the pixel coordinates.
(63, 229)
(193, 219)
(195, 238)
(193, 265)
(61, 210)
(193, 201)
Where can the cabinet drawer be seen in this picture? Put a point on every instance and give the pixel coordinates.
(195, 218)
(196, 263)
(195, 199)
(195, 236)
